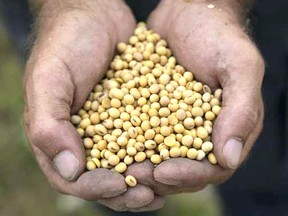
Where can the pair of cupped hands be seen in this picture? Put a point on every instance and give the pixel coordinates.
(74, 45)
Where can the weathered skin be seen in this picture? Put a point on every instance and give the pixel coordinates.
(72, 51)
(75, 43)
(213, 43)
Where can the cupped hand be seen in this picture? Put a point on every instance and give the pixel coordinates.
(211, 41)
(73, 48)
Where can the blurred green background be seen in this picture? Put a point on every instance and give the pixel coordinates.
(24, 191)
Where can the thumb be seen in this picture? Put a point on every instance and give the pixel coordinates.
(49, 95)
(239, 122)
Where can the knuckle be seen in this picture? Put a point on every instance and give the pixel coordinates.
(254, 61)
(41, 132)
(250, 116)
(257, 62)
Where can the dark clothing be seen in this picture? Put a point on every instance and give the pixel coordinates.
(260, 186)
(142, 8)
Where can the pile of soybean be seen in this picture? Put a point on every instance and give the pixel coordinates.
(147, 107)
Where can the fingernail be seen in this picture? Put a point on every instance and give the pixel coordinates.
(232, 152)
(67, 164)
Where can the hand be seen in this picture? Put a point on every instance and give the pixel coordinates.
(72, 51)
(213, 44)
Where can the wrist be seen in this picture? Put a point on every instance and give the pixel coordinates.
(235, 10)
(201, 15)
(91, 13)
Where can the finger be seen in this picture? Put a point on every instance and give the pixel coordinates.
(47, 114)
(156, 204)
(241, 82)
(144, 173)
(255, 134)
(190, 173)
(100, 183)
(136, 197)
(92, 185)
